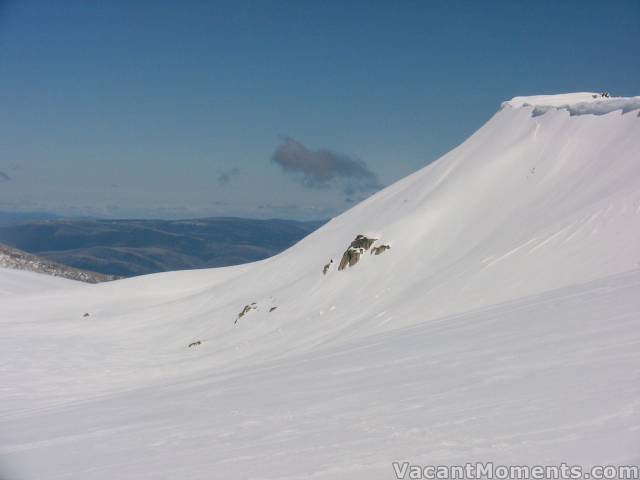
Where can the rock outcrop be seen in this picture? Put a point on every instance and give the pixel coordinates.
(362, 241)
(352, 255)
(246, 309)
(379, 249)
(326, 268)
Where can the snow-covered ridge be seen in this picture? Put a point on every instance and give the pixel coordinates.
(583, 103)
(18, 260)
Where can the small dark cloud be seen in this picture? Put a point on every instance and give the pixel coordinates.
(224, 178)
(325, 168)
(4, 177)
(115, 185)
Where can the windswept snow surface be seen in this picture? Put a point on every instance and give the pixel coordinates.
(501, 326)
(13, 282)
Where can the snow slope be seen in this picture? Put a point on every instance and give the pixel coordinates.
(501, 325)
(13, 282)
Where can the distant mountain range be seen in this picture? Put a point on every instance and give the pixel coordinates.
(134, 247)
(18, 260)
(11, 218)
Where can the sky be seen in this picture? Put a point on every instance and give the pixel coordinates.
(298, 109)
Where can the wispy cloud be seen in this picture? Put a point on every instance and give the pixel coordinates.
(224, 178)
(324, 168)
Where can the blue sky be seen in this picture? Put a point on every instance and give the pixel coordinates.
(273, 109)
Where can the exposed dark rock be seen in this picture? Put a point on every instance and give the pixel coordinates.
(326, 268)
(86, 315)
(355, 256)
(346, 257)
(272, 309)
(195, 344)
(246, 309)
(352, 255)
(350, 258)
(362, 241)
(380, 249)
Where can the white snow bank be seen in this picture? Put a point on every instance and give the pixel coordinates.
(548, 379)
(19, 282)
(552, 100)
(584, 103)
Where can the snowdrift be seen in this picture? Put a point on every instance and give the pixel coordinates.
(500, 325)
(13, 282)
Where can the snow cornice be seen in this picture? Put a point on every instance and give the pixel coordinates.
(583, 103)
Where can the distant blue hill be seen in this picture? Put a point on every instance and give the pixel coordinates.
(135, 247)
(10, 218)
